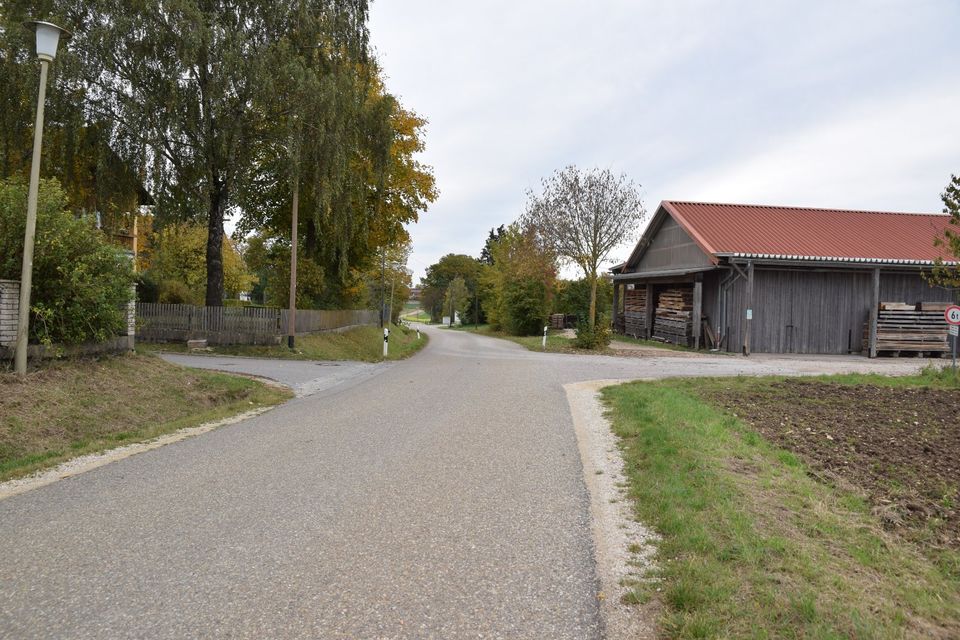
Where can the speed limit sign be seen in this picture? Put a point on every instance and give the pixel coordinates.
(952, 314)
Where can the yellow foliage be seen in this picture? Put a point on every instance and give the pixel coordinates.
(176, 260)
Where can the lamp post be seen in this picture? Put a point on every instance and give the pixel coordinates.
(48, 37)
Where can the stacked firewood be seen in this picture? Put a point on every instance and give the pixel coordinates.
(674, 317)
(635, 311)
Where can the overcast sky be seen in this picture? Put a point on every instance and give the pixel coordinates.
(841, 103)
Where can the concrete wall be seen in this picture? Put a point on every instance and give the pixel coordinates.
(9, 307)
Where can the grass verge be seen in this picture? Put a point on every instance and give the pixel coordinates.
(75, 407)
(556, 342)
(753, 546)
(363, 344)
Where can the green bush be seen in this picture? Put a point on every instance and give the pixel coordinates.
(525, 307)
(596, 337)
(81, 283)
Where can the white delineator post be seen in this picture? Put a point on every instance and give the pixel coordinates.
(386, 340)
(545, 337)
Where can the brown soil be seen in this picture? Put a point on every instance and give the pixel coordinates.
(900, 446)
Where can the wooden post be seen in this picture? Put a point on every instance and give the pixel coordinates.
(749, 310)
(874, 310)
(697, 312)
(616, 305)
(649, 313)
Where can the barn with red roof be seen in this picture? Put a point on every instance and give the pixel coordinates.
(752, 278)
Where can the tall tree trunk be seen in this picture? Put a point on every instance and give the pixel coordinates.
(217, 212)
(593, 299)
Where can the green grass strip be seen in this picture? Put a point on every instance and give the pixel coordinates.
(753, 547)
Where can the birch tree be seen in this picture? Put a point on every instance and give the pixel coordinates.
(583, 215)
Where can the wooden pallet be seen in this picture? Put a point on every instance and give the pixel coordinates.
(910, 328)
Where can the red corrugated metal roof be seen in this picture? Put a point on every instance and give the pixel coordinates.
(796, 232)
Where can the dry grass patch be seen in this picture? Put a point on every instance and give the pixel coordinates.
(75, 407)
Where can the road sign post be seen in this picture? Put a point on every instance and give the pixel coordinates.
(952, 316)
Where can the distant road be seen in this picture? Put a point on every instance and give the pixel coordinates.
(438, 497)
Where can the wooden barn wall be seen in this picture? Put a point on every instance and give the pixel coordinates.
(711, 298)
(806, 311)
(671, 248)
(911, 288)
(801, 311)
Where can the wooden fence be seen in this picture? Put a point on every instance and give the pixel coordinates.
(237, 325)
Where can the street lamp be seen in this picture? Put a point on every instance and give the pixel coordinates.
(48, 37)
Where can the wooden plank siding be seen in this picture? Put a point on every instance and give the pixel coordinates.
(815, 311)
(672, 248)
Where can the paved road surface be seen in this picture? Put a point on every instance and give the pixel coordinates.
(440, 497)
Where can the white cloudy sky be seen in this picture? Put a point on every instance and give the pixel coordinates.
(842, 103)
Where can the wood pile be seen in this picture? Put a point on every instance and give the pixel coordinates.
(910, 328)
(556, 321)
(635, 312)
(673, 321)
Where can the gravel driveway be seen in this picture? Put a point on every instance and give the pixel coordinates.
(439, 497)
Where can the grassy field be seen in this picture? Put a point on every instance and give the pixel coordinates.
(75, 407)
(363, 344)
(753, 543)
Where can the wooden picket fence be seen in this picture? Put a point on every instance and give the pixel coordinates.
(237, 325)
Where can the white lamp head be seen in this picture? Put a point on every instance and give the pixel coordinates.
(48, 37)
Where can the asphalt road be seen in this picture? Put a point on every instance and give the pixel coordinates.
(439, 497)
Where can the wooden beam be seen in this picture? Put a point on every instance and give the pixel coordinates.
(874, 309)
(748, 312)
(649, 313)
(697, 312)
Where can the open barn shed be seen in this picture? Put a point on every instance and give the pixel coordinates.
(749, 278)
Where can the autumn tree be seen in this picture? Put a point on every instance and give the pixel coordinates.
(948, 275)
(519, 285)
(456, 298)
(176, 262)
(183, 84)
(433, 287)
(582, 216)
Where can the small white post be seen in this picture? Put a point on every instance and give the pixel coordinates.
(418, 333)
(386, 340)
(545, 337)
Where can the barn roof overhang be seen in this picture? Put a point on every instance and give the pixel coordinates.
(662, 273)
(835, 261)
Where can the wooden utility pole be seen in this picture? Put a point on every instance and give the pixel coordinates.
(292, 316)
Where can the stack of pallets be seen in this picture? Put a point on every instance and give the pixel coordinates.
(635, 312)
(918, 329)
(674, 318)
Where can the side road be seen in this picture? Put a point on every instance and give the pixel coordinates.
(443, 497)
